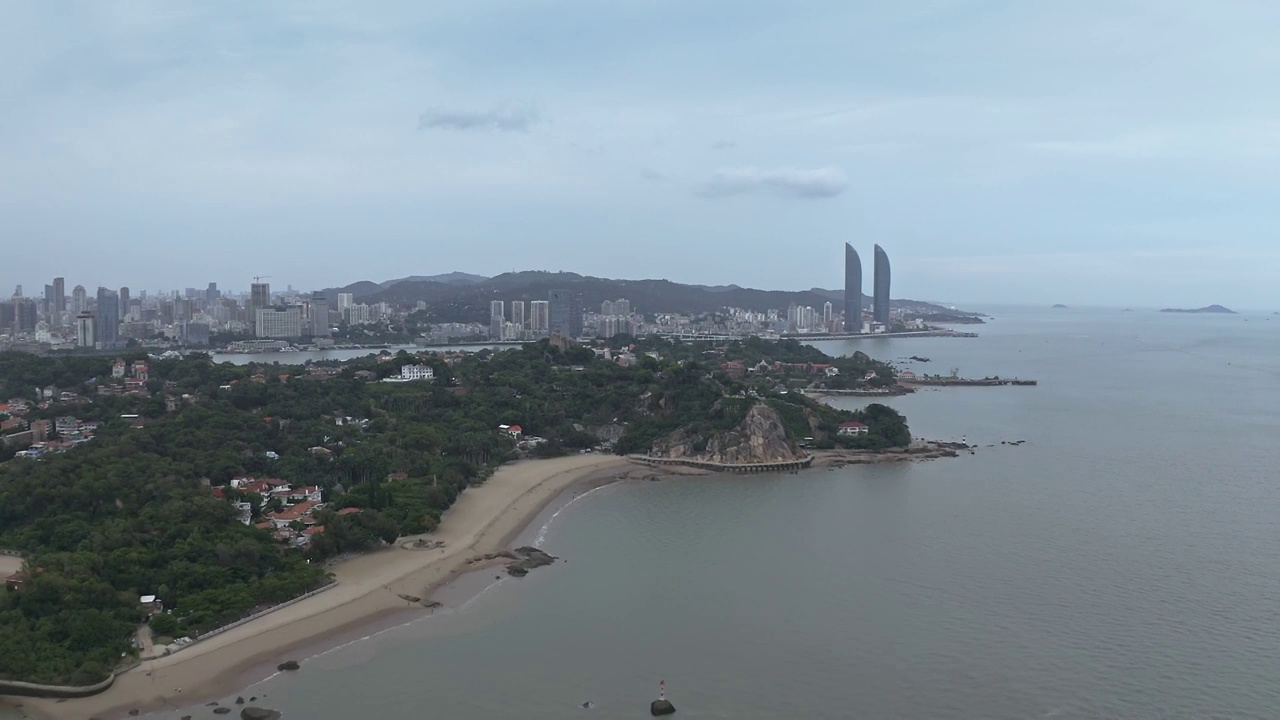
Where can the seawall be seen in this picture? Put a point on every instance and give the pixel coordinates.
(781, 466)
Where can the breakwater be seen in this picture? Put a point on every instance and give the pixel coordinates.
(971, 382)
(765, 467)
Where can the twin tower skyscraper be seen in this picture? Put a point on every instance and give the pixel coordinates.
(853, 289)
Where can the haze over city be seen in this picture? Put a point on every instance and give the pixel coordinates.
(1087, 153)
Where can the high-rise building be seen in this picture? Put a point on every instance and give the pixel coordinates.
(345, 300)
(828, 313)
(79, 299)
(211, 293)
(124, 302)
(497, 318)
(194, 334)
(880, 297)
(852, 290)
(259, 298)
(279, 323)
(319, 317)
(84, 329)
(566, 313)
(539, 316)
(59, 299)
(517, 315)
(260, 295)
(106, 325)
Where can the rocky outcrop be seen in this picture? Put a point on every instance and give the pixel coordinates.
(608, 433)
(529, 559)
(257, 713)
(759, 438)
(288, 665)
(523, 559)
(661, 707)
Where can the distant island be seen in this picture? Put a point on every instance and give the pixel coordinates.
(1059, 306)
(1218, 309)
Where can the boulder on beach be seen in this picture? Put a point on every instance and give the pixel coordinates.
(661, 707)
(222, 711)
(288, 665)
(239, 701)
(257, 713)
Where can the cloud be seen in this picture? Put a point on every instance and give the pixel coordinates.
(499, 119)
(723, 145)
(825, 182)
(653, 175)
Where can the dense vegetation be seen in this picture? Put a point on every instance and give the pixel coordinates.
(132, 513)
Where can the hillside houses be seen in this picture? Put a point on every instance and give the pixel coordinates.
(297, 506)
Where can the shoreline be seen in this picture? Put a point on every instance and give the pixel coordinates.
(367, 601)
(485, 518)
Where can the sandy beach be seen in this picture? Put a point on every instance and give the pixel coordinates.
(484, 519)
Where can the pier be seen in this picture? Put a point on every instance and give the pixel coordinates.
(970, 382)
(742, 468)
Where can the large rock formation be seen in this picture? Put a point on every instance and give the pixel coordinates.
(759, 438)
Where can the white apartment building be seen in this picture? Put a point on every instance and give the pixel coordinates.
(279, 323)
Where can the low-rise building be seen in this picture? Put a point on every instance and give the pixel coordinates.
(852, 427)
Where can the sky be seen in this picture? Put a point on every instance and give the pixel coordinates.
(1105, 152)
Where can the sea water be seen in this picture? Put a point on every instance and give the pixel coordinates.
(1123, 562)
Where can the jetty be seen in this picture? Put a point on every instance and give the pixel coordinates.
(975, 382)
(742, 468)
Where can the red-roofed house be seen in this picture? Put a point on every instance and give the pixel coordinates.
(293, 513)
(852, 427)
(733, 369)
(515, 431)
(348, 511)
(310, 492)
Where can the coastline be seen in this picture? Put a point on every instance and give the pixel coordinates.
(368, 599)
(485, 519)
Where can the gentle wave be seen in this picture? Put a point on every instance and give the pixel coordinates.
(542, 532)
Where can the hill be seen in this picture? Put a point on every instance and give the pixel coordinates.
(1210, 309)
(458, 297)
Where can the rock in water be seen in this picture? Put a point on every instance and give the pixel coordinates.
(256, 713)
(290, 665)
(222, 711)
(661, 707)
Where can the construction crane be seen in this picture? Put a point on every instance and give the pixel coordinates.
(260, 278)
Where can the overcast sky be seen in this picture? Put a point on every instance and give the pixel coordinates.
(1078, 151)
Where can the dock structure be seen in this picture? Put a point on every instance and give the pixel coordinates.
(976, 382)
(742, 468)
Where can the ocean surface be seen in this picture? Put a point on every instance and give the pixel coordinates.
(1123, 563)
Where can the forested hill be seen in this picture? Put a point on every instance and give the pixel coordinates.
(129, 508)
(467, 300)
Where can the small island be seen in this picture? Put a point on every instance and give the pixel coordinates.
(1059, 306)
(1211, 309)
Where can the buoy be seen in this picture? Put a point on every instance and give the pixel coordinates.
(661, 706)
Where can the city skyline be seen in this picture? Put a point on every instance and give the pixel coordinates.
(1094, 168)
